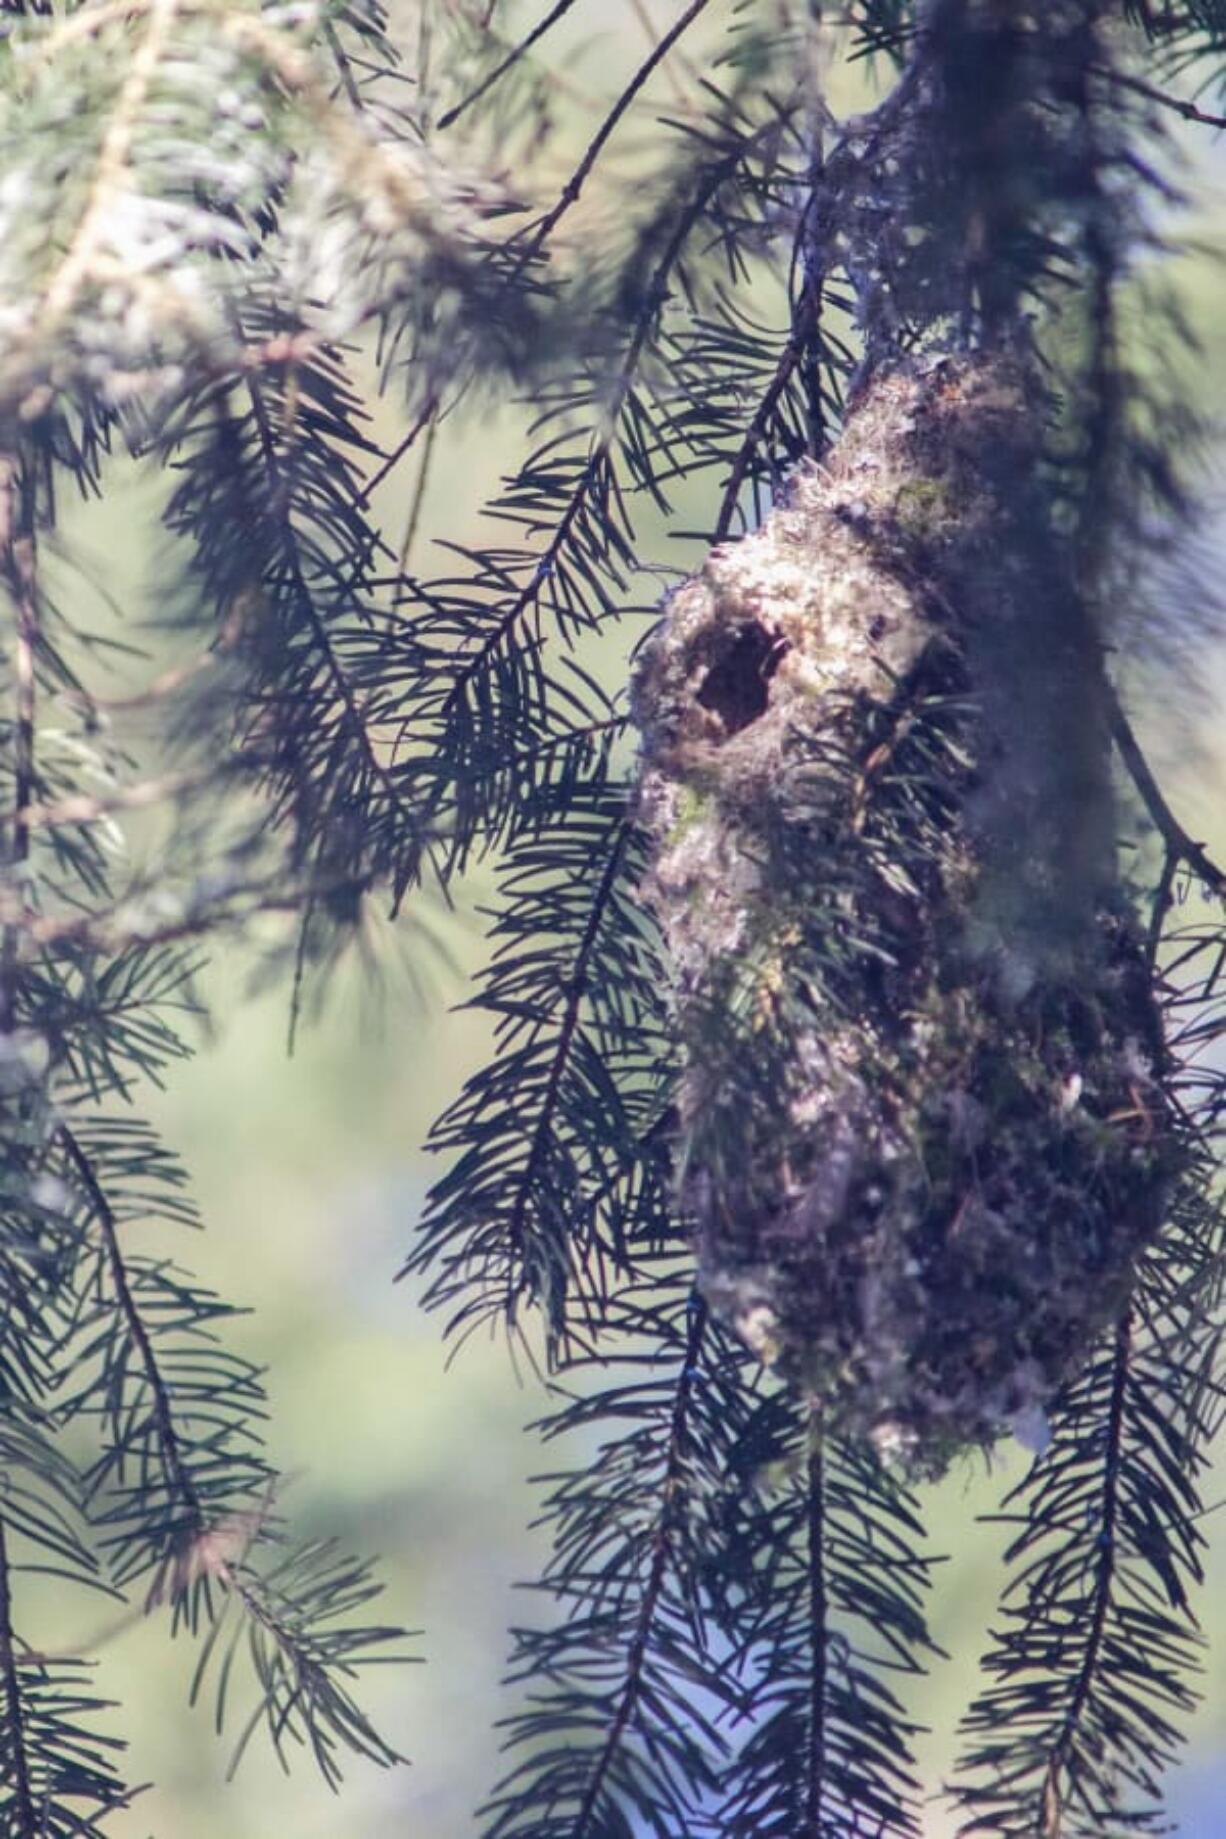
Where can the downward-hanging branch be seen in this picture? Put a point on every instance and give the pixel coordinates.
(13, 1746)
(624, 1700)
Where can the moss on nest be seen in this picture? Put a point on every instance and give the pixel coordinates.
(924, 1129)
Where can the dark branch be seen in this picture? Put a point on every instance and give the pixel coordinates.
(29, 1824)
(1179, 104)
(819, 1633)
(1169, 828)
(576, 992)
(574, 185)
(176, 1469)
(654, 296)
(508, 63)
(671, 1496)
(1048, 1815)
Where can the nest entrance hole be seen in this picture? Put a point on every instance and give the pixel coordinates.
(737, 686)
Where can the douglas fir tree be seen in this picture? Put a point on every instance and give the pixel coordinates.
(855, 988)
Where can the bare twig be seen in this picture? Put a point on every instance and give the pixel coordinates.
(426, 419)
(1176, 838)
(512, 58)
(574, 185)
(1179, 104)
(419, 494)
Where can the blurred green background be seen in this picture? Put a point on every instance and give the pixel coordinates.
(310, 1174)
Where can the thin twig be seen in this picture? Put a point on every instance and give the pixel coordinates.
(342, 65)
(508, 63)
(108, 932)
(393, 459)
(29, 1824)
(419, 494)
(574, 185)
(672, 1496)
(1101, 1595)
(819, 1632)
(1162, 97)
(170, 681)
(1163, 895)
(1176, 838)
(178, 1475)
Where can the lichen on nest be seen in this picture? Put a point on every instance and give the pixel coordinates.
(924, 1133)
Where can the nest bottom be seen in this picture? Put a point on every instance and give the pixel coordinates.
(944, 1213)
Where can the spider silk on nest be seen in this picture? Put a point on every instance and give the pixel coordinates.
(924, 1133)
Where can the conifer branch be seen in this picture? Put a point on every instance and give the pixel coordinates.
(111, 170)
(595, 468)
(484, 691)
(671, 1504)
(354, 724)
(819, 1633)
(196, 1535)
(181, 1486)
(507, 622)
(13, 1749)
(48, 1759)
(530, 1208)
(624, 1692)
(574, 995)
(833, 1606)
(1058, 1773)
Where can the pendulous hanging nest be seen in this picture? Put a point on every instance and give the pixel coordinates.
(924, 1130)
